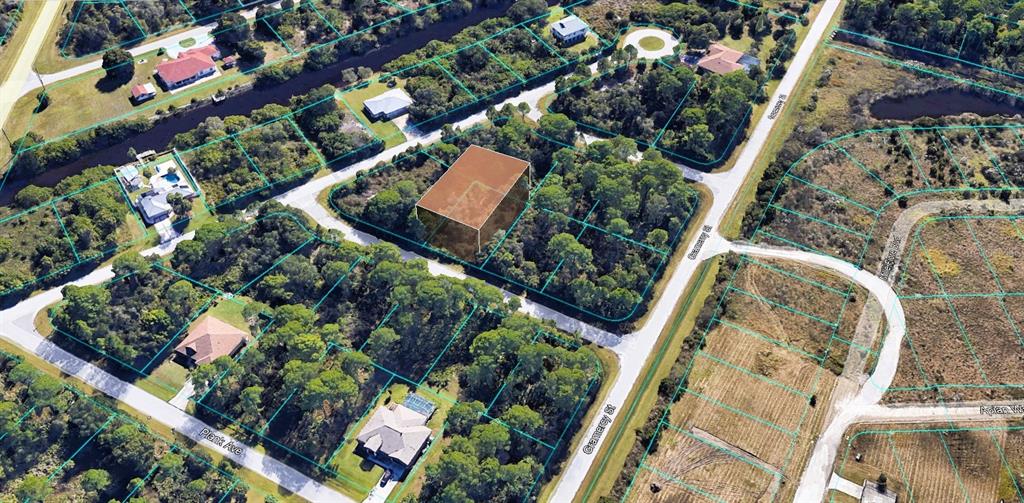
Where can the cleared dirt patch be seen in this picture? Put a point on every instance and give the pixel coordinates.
(938, 463)
(686, 457)
(757, 389)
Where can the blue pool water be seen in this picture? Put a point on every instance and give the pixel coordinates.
(172, 177)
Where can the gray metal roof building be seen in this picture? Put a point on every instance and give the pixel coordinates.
(389, 105)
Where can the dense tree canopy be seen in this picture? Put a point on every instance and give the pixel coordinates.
(685, 113)
(221, 152)
(119, 64)
(982, 31)
(635, 209)
(44, 423)
(95, 26)
(94, 219)
(10, 14)
(429, 71)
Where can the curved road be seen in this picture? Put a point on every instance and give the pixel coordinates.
(633, 38)
(633, 349)
(19, 328)
(815, 478)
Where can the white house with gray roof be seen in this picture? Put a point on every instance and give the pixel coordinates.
(570, 30)
(387, 106)
(394, 437)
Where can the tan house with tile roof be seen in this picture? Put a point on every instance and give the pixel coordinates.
(722, 60)
(209, 339)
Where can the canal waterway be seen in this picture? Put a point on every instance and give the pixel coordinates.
(163, 132)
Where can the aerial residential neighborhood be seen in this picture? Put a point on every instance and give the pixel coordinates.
(511, 251)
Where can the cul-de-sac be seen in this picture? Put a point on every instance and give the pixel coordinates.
(511, 251)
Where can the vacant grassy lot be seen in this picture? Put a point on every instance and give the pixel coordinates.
(165, 380)
(961, 287)
(841, 198)
(838, 192)
(705, 468)
(939, 462)
(755, 393)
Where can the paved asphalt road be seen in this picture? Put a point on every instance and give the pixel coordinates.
(19, 328)
(633, 349)
(11, 89)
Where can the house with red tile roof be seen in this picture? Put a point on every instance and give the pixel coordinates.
(722, 60)
(188, 67)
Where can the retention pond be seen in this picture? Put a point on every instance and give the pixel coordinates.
(942, 103)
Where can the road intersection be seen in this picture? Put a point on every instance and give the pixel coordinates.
(633, 349)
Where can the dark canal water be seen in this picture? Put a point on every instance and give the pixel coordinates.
(163, 132)
(940, 104)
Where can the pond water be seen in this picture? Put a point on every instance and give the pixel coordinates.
(940, 104)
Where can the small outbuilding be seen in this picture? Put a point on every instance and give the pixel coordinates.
(130, 177)
(569, 31)
(877, 493)
(480, 194)
(143, 92)
(394, 438)
(388, 105)
(209, 339)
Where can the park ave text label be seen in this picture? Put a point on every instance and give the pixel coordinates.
(219, 441)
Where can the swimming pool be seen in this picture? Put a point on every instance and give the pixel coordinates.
(172, 178)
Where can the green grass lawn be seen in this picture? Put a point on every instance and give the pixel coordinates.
(352, 466)
(355, 472)
(555, 13)
(544, 103)
(742, 44)
(165, 380)
(589, 43)
(188, 42)
(414, 480)
(79, 103)
(652, 43)
(384, 130)
(230, 311)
